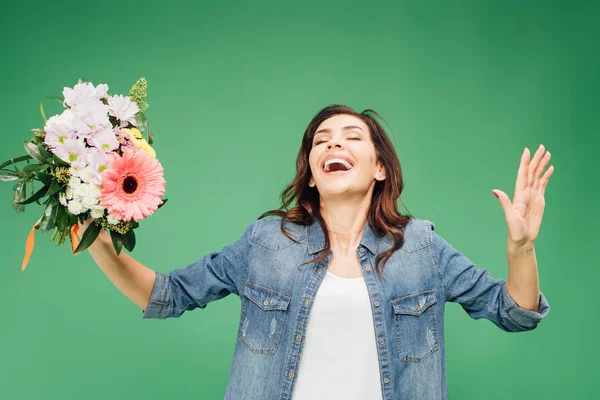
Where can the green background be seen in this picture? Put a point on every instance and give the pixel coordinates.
(464, 87)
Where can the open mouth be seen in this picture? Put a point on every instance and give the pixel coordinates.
(337, 166)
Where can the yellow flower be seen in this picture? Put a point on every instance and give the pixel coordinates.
(135, 137)
(133, 132)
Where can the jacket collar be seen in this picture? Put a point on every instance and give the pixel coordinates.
(316, 238)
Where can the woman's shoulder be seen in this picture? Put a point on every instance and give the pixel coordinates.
(267, 232)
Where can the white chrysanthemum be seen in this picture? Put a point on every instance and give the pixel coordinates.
(95, 190)
(112, 219)
(82, 190)
(69, 192)
(75, 207)
(74, 181)
(91, 118)
(71, 151)
(90, 201)
(87, 174)
(123, 108)
(75, 170)
(97, 211)
(62, 198)
(104, 140)
(83, 92)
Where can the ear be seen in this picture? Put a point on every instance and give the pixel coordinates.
(311, 182)
(380, 175)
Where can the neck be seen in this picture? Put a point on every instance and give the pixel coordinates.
(346, 220)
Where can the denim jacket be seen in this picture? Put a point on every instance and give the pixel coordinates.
(263, 268)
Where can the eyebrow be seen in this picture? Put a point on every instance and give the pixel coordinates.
(344, 128)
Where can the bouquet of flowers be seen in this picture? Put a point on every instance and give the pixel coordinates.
(92, 161)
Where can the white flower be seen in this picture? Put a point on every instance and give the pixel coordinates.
(62, 198)
(112, 219)
(74, 182)
(75, 207)
(72, 151)
(87, 174)
(90, 201)
(104, 140)
(122, 108)
(95, 190)
(69, 192)
(58, 128)
(82, 190)
(97, 211)
(91, 118)
(83, 92)
(75, 170)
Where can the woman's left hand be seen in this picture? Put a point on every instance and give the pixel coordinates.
(524, 215)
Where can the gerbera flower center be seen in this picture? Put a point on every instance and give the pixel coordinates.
(130, 184)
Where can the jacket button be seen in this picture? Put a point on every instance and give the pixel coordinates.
(368, 268)
(417, 307)
(376, 303)
(298, 338)
(266, 302)
(291, 374)
(386, 380)
(307, 301)
(319, 271)
(361, 249)
(381, 341)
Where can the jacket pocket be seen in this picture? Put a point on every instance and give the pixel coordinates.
(263, 314)
(415, 325)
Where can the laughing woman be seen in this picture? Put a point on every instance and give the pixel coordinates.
(342, 296)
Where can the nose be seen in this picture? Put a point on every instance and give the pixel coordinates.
(332, 143)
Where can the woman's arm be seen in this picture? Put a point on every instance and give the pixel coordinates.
(132, 278)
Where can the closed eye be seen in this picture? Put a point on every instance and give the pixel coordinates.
(321, 141)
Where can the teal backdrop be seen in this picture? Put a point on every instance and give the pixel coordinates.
(464, 87)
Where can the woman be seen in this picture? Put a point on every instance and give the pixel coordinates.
(342, 296)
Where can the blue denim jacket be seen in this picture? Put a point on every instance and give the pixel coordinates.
(263, 268)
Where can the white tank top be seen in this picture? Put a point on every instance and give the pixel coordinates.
(339, 358)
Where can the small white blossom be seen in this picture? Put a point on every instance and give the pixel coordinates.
(97, 211)
(82, 190)
(75, 207)
(89, 201)
(112, 219)
(62, 198)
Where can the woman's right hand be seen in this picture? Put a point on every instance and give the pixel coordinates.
(102, 236)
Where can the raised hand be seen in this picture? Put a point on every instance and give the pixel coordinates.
(524, 215)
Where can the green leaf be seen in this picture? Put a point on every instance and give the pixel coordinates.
(14, 160)
(42, 111)
(59, 162)
(88, 237)
(150, 135)
(162, 204)
(134, 224)
(30, 169)
(7, 175)
(36, 196)
(20, 193)
(38, 130)
(48, 221)
(117, 240)
(59, 99)
(54, 187)
(141, 122)
(43, 177)
(37, 152)
(129, 240)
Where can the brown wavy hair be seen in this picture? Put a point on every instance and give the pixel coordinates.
(383, 215)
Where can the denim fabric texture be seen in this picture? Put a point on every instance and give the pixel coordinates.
(263, 268)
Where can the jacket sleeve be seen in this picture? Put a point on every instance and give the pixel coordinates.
(481, 295)
(212, 277)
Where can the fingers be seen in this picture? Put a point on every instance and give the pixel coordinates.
(540, 169)
(522, 173)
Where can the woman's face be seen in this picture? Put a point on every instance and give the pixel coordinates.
(347, 137)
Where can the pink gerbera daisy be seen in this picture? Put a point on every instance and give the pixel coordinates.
(133, 185)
